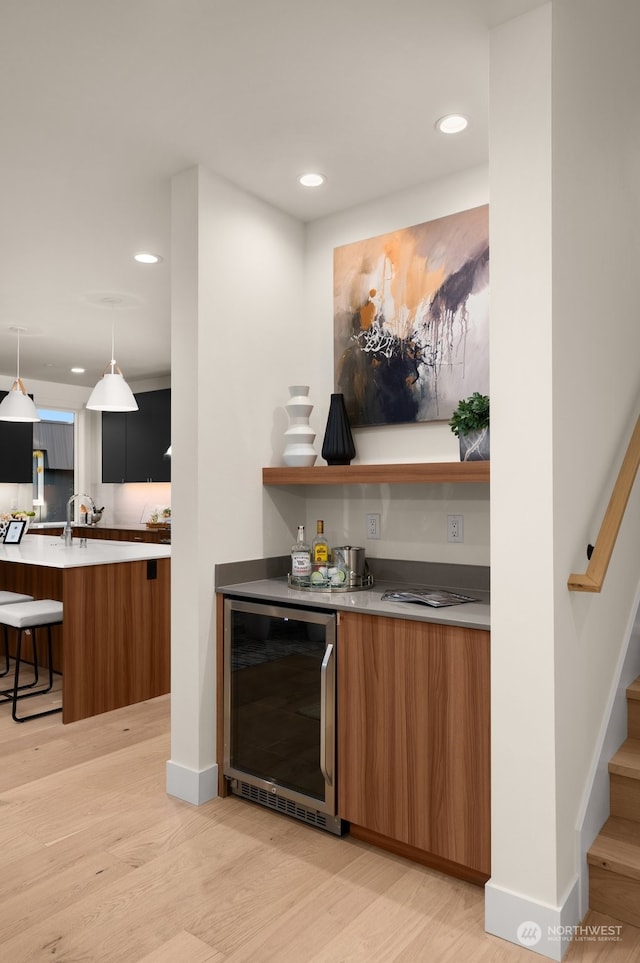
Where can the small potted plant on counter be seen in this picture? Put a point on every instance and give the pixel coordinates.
(470, 424)
(28, 517)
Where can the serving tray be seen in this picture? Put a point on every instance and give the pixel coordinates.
(303, 583)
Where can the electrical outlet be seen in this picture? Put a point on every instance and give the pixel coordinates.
(455, 528)
(373, 525)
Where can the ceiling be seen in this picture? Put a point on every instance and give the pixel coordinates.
(102, 103)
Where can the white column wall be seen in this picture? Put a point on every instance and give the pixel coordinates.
(522, 594)
(564, 247)
(596, 380)
(237, 272)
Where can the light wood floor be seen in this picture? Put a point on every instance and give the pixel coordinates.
(99, 864)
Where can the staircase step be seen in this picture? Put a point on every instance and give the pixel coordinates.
(614, 871)
(633, 710)
(626, 761)
(614, 895)
(617, 847)
(633, 691)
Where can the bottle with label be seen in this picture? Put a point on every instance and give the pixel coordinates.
(300, 556)
(319, 546)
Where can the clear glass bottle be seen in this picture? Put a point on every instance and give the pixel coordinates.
(319, 546)
(300, 556)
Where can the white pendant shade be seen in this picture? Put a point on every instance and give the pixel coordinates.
(17, 405)
(168, 452)
(112, 393)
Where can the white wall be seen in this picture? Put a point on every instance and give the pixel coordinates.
(237, 299)
(596, 345)
(413, 517)
(522, 698)
(564, 247)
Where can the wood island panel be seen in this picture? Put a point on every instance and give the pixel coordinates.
(116, 636)
(414, 739)
(113, 648)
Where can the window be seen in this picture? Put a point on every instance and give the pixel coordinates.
(53, 480)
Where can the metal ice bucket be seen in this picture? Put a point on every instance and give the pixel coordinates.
(352, 560)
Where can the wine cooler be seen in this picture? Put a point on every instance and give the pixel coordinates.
(279, 709)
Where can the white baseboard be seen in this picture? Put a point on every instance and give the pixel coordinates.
(546, 930)
(190, 785)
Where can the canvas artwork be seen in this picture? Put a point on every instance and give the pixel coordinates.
(411, 320)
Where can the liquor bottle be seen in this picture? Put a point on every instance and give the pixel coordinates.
(300, 556)
(319, 546)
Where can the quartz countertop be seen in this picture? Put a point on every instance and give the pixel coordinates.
(472, 615)
(53, 553)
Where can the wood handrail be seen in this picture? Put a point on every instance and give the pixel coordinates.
(593, 578)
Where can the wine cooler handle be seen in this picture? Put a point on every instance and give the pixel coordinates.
(327, 714)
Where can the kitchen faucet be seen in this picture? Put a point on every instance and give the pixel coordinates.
(68, 529)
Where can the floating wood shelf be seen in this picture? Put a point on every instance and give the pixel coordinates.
(423, 473)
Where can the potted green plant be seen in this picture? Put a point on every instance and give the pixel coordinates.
(28, 516)
(470, 424)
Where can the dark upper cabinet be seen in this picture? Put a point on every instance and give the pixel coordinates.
(134, 442)
(16, 449)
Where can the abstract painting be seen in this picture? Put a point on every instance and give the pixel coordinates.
(411, 320)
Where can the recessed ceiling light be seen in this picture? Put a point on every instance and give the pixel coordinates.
(145, 258)
(312, 180)
(451, 123)
(77, 371)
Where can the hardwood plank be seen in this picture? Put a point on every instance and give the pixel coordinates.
(183, 947)
(224, 881)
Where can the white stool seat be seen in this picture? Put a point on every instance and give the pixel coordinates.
(37, 612)
(28, 617)
(7, 598)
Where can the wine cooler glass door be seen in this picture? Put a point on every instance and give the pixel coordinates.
(279, 700)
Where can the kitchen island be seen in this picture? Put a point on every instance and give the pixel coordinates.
(113, 647)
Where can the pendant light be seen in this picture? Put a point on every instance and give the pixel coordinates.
(17, 405)
(112, 393)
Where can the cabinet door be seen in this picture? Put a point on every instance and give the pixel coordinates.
(16, 450)
(148, 437)
(413, 735)
(134, 442)
(114, 446)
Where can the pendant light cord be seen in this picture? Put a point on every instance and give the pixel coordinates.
(113, 341)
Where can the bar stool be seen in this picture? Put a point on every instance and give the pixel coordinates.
(35, 614)
(7, 598)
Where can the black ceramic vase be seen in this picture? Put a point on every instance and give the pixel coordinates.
(338, 447)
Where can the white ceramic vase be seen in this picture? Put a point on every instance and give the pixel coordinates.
(299, 435)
